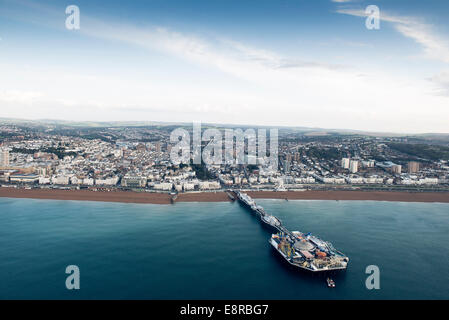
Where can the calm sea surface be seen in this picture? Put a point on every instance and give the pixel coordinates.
(217, 250)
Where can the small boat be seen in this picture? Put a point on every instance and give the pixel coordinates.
(330, 283)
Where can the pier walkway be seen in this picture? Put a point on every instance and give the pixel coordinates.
(258, 210)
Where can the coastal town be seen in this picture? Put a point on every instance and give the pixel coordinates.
(55, 156)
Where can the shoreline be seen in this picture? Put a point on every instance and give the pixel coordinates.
(220, 196)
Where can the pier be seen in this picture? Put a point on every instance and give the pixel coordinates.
(303, 251)
(261, 213)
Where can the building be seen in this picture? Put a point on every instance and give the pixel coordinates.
(355, 180)
(413, 167)
(134, 181)
(60, 180)
(252, 179)
(110, 181)
(88, 182)
(390, 166)
(368, 163)
(397, 168)
(24, 178)
(165, 186)
(44, 180)
(4, 175)
(205, 185)
(188, 186)
(332, 180)
(428, 181)
(4, 157)
(118, 153)
(286, 166)
(345, 163)
(263, 179)
(373, 180)
(297, 156)
(353, 166)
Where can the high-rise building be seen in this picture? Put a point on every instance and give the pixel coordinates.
(297, 156)
(345, 163)
(4, 157)
(397, 168)
(413, 167)
(353, 166)
(286, 166)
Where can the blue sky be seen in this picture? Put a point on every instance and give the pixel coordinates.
(295, 63)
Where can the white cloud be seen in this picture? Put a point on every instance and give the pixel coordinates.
(17, 96)
(435, 47)
(441, 81)
(252, 86)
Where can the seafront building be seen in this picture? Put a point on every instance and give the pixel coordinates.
(58, 161)
(4, 157)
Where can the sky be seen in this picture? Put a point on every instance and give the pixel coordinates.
(301, 63)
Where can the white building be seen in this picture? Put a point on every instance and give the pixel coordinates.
(304, 180)
(263, 180)
(24, 178)
(334, 180)
(345, 163)
(60, 180)
(4, 157)
(44, 180)
(134, 181)
(368, 163)
(165, 186)
(111, 181)
(353, 166)
(75, 180)
(373, 180)
(428, 181)
(188, 186)
(252, 179)
(207, 185)
(88, 181)
(355, 180)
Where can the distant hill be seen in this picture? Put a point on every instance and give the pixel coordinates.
(306, 130)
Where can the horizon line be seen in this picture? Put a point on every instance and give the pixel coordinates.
(333, 130)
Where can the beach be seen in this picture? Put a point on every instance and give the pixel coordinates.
(220, 196)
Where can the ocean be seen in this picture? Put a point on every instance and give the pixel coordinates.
(217, 250)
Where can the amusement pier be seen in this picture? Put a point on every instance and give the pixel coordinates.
(304, 251)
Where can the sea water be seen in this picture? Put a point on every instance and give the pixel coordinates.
(217, 250)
